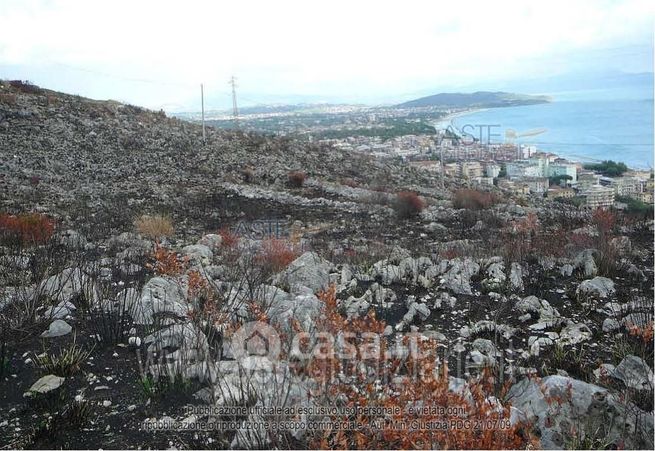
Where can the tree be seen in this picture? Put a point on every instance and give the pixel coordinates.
(608, 168)
(557, 179)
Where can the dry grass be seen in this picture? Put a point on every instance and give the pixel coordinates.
(154, 227)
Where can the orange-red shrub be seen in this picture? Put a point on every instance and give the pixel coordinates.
(472, 199)
(414, 383)
(296, 179)
(645, 333)
(166, 262)
(276, 254)
(229, 238)
(408, 204)
(28, 229)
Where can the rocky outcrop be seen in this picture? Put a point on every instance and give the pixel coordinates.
(600, 287)
(564, 409)
(458, 277)
(163, 296)
(307, 271)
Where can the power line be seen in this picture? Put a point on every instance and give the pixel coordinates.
(118, 77)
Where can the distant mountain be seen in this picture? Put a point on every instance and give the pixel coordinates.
(479, 99)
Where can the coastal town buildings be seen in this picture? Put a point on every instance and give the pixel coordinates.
(536, 185)
(558, 192)
(599, 197)
(492, 170)
(623, 186)
(564, 169)
(471, 169)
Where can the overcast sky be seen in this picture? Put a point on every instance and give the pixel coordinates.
(156, 53)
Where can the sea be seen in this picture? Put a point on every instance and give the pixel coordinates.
(586, 126)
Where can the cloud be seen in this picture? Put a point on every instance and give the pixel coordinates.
(337, 48)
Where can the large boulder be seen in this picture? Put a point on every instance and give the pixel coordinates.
(563, 408)
(458, 277)
(634, 373)
(198, 253)
(160, 296)
(309, 270)
(601, 287)
(281, 306)
(57, 328)
(585, 262)
(516, 277)
(45, 385)
(69, 285)
(573, 334)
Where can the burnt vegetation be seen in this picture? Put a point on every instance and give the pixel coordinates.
(128, 264)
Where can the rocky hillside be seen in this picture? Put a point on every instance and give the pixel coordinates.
(532, 318)
(65, 155)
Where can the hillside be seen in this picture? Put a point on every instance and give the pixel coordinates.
(479, 99)
(68, 156)
(249, 292)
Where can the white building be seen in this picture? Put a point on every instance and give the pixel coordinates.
(492, 170)
(537, 185)
(484, 181)
(559, 169)
(599, 196)
(523, 168)
(624, 186)
(471, 169)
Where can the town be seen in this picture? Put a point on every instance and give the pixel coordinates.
(424, 138)
(519, 169)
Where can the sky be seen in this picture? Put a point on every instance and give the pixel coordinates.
(156, 53)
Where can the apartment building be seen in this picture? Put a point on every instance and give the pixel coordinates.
(471, 169)
(599, 197)
(561, 169)
(536, 185)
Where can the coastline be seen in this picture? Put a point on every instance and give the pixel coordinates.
(574, 152)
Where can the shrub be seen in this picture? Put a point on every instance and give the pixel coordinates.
(472, 199)
(296, 179)
(248, 175)
(27, 229)
(519, 238)
(276, 254)
(166, 262)
(605, 221)
(8, 99)
(413, 380)
(352, 183)
(25, 86)
(408, 204)
(154, 227)
(229, 238)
